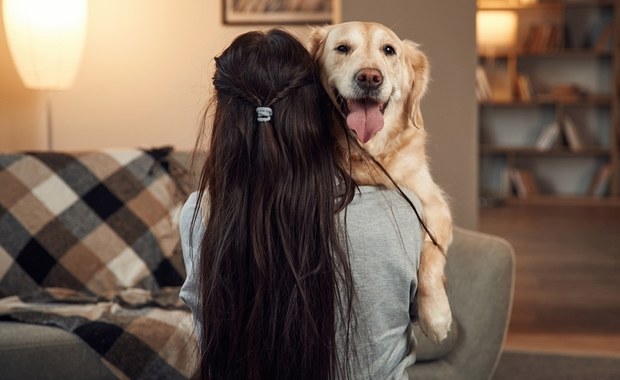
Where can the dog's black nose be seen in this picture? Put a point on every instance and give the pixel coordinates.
(369, 78)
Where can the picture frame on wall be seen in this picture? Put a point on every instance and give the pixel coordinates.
(278, 11)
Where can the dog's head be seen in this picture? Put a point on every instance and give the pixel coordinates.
(375, 78)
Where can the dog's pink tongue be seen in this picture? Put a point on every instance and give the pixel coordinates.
(365, 119)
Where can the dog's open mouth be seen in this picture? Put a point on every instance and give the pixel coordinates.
(364, 116)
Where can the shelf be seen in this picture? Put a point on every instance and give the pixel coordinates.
(551, 200)
(542, 100)
(542, 6)
(564, 200)
(557, 152)
(588, 3)
(565, 53)
(521, 7)
(565, 61)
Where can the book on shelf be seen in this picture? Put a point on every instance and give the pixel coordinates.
(523, 182)
(543, 37)
(548, 136)
(600, 181)
(483, 86)
(603, 42)
(568, 92)
(524, 88)
(532, 34)
(571, 134)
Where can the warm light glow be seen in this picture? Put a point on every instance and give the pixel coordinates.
(46, 39)
(496, 31)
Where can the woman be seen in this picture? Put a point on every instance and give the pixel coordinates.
(293, 273)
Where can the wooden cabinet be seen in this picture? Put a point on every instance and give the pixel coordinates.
(548, 105)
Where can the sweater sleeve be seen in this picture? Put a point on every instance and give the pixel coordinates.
(191, 239)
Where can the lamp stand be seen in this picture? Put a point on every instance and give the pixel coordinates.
(49, 126)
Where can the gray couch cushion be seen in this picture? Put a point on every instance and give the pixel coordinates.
(480, 273)
(42, 352)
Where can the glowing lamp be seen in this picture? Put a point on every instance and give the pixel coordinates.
(46, 39)
(496, 31)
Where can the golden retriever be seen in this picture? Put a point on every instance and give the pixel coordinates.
(377, 81)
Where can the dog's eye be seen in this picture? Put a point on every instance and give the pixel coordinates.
(389, 50)
(344, 49)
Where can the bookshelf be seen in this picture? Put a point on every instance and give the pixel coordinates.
(561, 71)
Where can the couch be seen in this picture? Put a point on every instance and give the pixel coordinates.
(90, 269)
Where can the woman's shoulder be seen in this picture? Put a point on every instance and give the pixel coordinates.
(188, 210)
(379, 195)
(191, 200)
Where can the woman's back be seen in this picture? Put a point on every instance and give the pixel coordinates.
(384, 240)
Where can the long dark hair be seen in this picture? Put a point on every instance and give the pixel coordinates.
(276, 289)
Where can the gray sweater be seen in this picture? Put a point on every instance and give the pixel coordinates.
(384, 246)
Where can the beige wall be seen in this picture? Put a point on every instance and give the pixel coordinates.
(147, 68)
(143, 81)
(446, 31)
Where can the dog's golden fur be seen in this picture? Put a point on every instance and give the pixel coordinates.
(343, 50)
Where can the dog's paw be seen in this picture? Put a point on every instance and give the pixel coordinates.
(435, 317)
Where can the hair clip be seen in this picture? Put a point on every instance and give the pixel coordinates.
(264, 113)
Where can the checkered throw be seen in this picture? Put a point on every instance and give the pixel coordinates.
(88, 244)
(138, 335)
(96, 222)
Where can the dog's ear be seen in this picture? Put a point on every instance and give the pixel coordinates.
(420, 66)
(316, 44)
(419, 69)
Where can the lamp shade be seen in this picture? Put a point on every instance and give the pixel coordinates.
(496, 31)
(46, 39)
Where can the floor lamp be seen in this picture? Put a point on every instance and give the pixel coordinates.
(46, 39)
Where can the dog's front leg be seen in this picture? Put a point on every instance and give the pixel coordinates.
(433, 306)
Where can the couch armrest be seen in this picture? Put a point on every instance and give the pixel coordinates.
(480, 273)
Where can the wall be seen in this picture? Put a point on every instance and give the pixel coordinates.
(144, 79)
(147, 67)
(446, 31)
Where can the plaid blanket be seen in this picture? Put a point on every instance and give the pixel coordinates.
(88, 243)
(138, 335)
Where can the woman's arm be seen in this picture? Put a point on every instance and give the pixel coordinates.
(190, 242)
